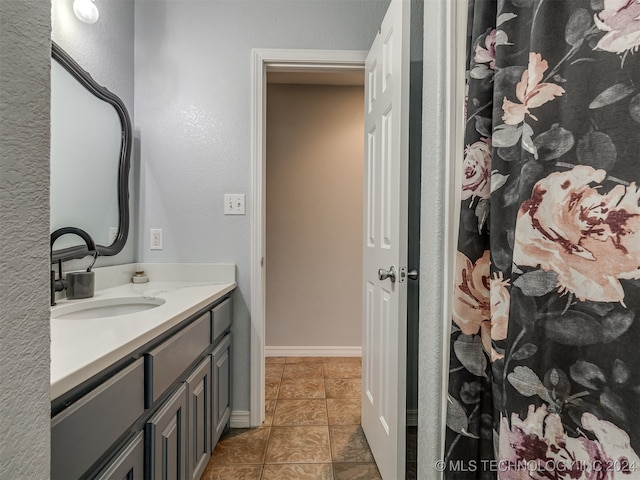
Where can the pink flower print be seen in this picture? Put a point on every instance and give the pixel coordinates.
(530, 92)
(500, 303)
(477, 170)
(487, 54)
(621, 20)
(472, 303)
(537, 447)
(591, 240)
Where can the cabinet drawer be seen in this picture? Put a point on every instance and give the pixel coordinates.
(166, 363)
(86, 429)
(221, 318)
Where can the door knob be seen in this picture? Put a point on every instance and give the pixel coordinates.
(390, 274)
(413, 274)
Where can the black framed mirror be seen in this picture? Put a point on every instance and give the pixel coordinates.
(90, 160)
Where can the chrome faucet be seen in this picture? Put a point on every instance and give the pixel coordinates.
(60, 284)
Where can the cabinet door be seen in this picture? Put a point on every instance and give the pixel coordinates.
(199, 428)
(167, 437)
(221, 388)
(128, 464)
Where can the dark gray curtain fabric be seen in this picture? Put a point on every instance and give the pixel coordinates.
(544, 376)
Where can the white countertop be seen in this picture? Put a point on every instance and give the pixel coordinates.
(83, 348)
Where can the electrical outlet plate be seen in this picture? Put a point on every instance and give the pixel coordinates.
(156, 239)
(234, 204)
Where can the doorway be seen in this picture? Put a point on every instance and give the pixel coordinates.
(264, 62)
(314, 211)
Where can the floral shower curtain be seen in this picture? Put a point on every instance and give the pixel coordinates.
(545, 345)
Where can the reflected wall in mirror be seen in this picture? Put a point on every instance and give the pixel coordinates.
(90, 158)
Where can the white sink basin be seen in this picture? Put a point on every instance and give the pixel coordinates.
(104, 307)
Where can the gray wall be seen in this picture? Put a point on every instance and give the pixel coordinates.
(24, 220)
(314, 177)
(192, 103)
(105, 50)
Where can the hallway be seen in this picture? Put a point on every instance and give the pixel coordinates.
(311, 429)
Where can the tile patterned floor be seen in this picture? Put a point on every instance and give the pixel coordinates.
(311, 429)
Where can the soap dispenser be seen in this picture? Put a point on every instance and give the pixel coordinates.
(82, 284)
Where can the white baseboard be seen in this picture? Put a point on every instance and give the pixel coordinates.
(312, 351)
(240, 419)
(412, 418)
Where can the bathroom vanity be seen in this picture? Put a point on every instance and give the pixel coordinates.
(141, 374)
(140, 371)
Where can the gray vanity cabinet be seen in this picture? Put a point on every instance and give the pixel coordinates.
(128, 463)
(199, 411)
(158, 417)
(221, 388)
(167, 439)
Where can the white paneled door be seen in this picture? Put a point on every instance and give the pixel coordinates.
(385, 242)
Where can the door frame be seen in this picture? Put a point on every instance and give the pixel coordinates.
(443, 110)
(263, 61)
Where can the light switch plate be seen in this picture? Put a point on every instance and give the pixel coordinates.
(234, 204)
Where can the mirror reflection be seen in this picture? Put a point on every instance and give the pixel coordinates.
(90, 147)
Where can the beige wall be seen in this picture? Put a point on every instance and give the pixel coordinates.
(314, 215)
